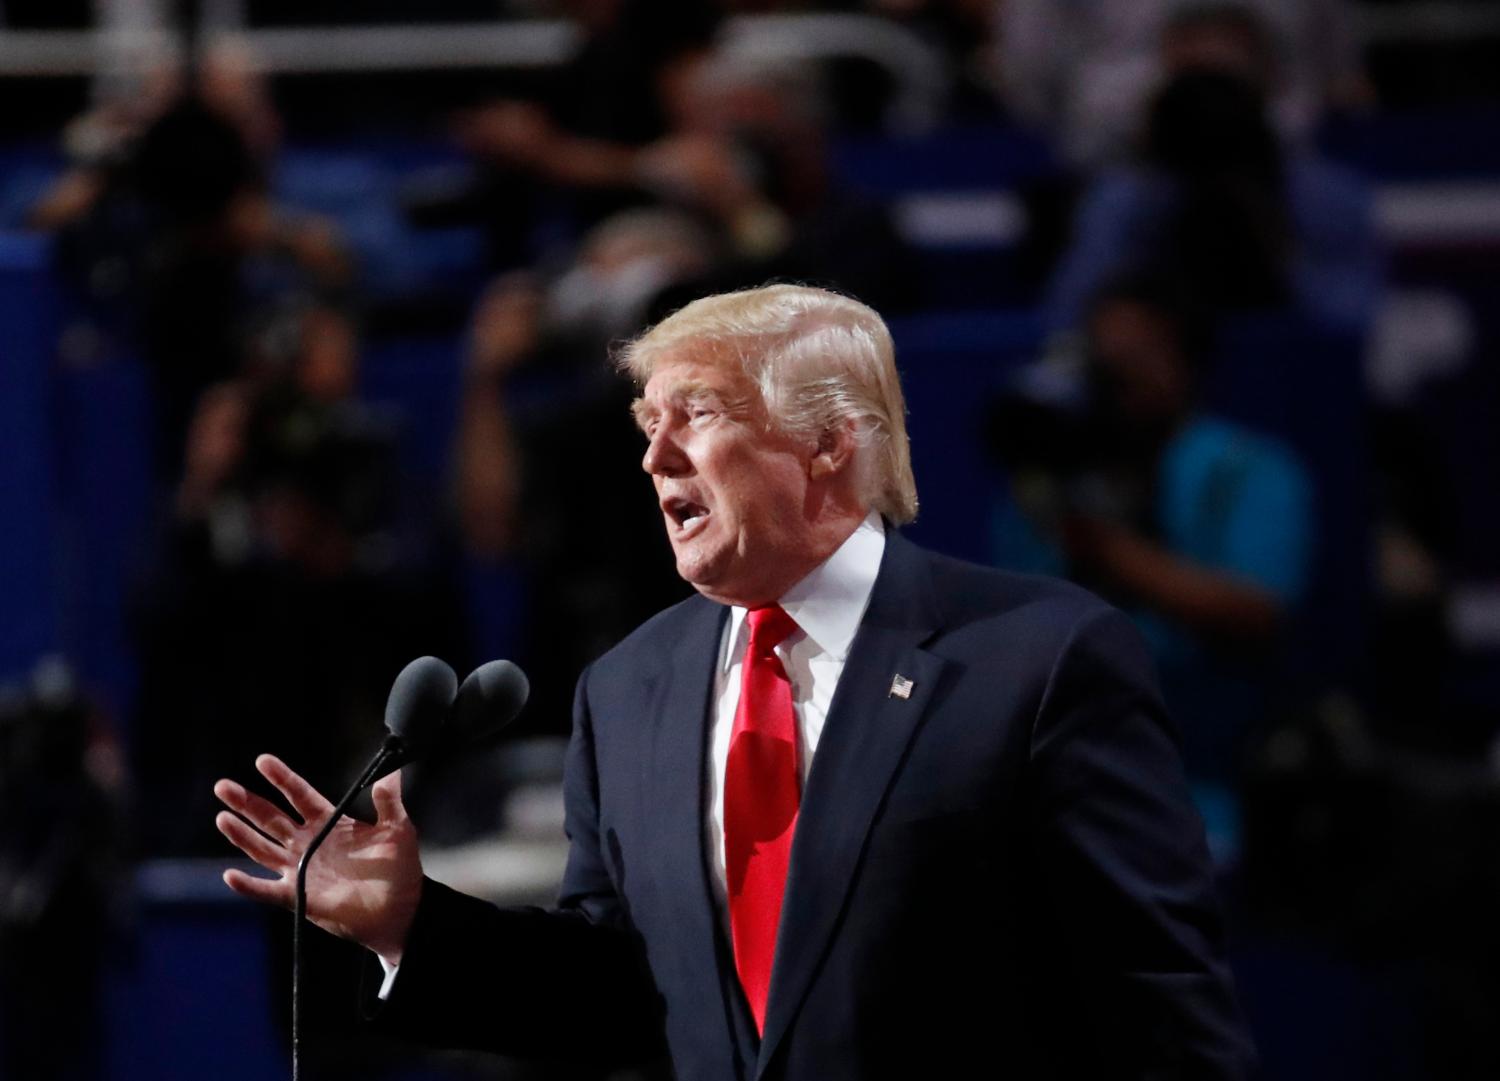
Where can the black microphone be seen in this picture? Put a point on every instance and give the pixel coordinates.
(416, 715)
(487, 701)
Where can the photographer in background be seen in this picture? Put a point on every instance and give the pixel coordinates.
(287, 594)
(1215, 194)
(1198, 527)
(169, 231)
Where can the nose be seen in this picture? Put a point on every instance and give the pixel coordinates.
(663, 457)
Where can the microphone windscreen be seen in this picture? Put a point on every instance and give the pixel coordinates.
(419, 703)
(488, 700)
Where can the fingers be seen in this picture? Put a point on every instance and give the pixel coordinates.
(306, 800)
(274, 891)
(387, 798)
(262, 814)
(268, 854)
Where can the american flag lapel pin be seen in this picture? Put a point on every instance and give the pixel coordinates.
(900, 687)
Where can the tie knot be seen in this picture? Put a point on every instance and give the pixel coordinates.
(769, 627)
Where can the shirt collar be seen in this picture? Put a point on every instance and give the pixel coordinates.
(829, 603)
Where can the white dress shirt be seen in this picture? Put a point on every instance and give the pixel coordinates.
(827, 607)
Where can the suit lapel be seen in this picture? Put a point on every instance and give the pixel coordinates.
(680, 701)
(863, 743)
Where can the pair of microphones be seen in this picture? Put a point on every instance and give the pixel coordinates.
(428, 713)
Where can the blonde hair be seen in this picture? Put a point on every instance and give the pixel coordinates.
(820, 359)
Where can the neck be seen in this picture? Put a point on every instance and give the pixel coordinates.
(829, 535)
(824, 537)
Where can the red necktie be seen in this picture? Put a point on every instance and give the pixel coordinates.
(760, 804)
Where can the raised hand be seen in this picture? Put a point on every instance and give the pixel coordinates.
(363, 884)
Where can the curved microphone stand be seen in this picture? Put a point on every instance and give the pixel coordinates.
(392, 748)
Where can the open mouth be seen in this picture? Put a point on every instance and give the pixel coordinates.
(686, 516)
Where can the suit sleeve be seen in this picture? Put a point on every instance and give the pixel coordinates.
(1125, 867)
(564, 983)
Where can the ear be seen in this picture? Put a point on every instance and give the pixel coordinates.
(834, 453)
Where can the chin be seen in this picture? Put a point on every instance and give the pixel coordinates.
(696, 569)
(708, 579)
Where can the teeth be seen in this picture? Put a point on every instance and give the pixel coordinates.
(685, 513)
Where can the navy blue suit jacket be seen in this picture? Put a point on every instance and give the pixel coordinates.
(1001, 872)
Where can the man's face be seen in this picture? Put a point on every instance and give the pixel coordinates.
(733, 490)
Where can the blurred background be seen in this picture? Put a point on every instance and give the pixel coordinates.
(305, 313)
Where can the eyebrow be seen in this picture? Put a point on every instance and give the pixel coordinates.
(688, 390)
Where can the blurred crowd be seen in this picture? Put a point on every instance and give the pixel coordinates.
(299, 557)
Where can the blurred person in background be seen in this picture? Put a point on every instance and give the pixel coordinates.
(1198, 527)
(739, 142)
(63, 841)
(169, 232)
(574, 514)
(576, 140)
(1086, 70)
(1217, 199)
(742, 146)
(285, 596)
(752, 158)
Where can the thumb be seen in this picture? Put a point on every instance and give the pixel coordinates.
(386, 795)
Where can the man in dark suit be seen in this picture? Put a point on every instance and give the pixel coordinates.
(857, 811)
